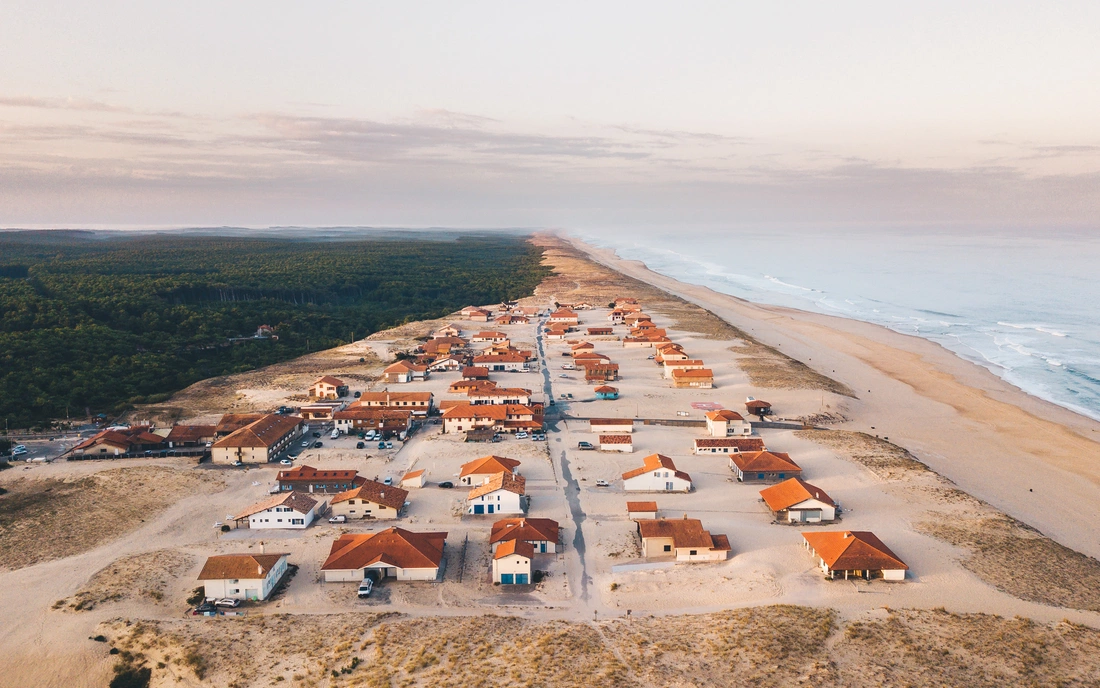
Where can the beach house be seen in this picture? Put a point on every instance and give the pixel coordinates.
(683, 539)
(726, 423)
(854, 554)
(391, 553)
(658, 473)
(763, 466)
(797, 501)
(370, 500)
(242, 576)
(502, 493)
(328, 387)
(512, 563)
(288, 511)
(478, 471)
(541, 533)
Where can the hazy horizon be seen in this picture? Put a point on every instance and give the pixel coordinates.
(484, 114)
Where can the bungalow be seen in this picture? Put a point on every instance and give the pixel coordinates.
(328, 387)
(666, 355)
(370, 500)
(632, 319)
(581, 347)
(585, 358)
(309, 479)
(478, 471)
(190, 436)
(324, 410)
(452, 330)
(609, 425)
(600, 331)
(390, 553)
(602, 372)
(624, 301)
(359, 419)
(292, 510)
(541, 533)
(682, 538)
(464, 386)
(475, 373)
(446, 364)
(512, 362)
(512, 320)
(488, 336)
(512, 563)
(232, 422)
(420, 403)
(702, 378)
(617, 443)
(242, 576)
(443, 346)
(414, 478)
(856, 554)
(476, 314)
(758, 407)
(763, 466)
(726, 423)
(641, 510)
(501, 494)
(104, 443)
(557, 331)
(403, 371)
(686, 364)
(258, 442)
(657, 474)
(564, 316)
(797, 501)
(616, 316)
(499, 395)
(499, 417)
(726, 445)
(607, 392)
(630, 308)
(637, 343)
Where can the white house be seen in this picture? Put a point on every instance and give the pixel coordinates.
(512, 563)
(726, 423)
(289, 510)
(686, 364)
(617, 443)
(447, 364)
(414, 479)
(391, 553)
(478, 471)
(259, 441)
(854, 554)
(797, 501)
(404, 371)
(501, 494)
(726, 445)
(541, 533)
(370, 500)
(610, 425)
(242, 576)
(657, 474)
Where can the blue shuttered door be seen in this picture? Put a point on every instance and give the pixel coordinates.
(506, 578)
(521, 579)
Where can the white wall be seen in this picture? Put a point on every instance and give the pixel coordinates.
(274, 519)
(503, 501)
(513, 563)
(655, 481)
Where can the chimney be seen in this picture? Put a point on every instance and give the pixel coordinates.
(847, 534)
(262, 549)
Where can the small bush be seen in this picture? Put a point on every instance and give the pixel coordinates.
(129, 676)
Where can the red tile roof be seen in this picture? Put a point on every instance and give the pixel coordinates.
(265, 432)
(765, 462)
(239, 566)
(616, 439)
(504, 480)
(684, 533)
(379, 493)
(392, 547)
(742, 444)
(655, 462)
(304, 472)
(488, 465)
(725, 414)
(853, 550)
(519, 547)
(641, 507)
(536, 529)
(793, 491)
(298, 501)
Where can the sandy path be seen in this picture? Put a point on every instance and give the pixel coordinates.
(1036, 461)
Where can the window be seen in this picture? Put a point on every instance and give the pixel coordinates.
(692, 552)
(668, 548)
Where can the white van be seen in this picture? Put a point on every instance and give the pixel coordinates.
(370, 434)
(335, 435)
(568, 366)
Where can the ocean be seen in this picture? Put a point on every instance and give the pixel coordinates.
(1025, 306)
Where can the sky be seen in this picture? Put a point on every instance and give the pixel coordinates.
(573, 115)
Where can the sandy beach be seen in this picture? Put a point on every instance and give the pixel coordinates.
(1035, 461)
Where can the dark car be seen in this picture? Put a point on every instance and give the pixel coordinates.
(446, 485)
(381, 445)
(316, 434)
(318, 445)
(360, 445)
(585, 445)
(358, 394)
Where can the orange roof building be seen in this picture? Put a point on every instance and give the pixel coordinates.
(683, 539)
(242, 576)
(540, 533)
(763, 466)
(855, 554)
(658, 473)
(480, 470)
(503, 493)
(258, 442)
(797, 501)
(370, 499)
(391, 553)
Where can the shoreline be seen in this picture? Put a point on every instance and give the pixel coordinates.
(1018, 452)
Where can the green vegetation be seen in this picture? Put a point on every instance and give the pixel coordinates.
(99, 322)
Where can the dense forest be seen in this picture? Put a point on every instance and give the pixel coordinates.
(94, 322)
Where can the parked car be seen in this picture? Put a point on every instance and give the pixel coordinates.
(389, 445)
(521, 435)
(362, 435)
(286, 462)
(370, 435)
(651, 357)
(585, 445)
(365, 588)
(334, 435)
(538, 437)
(338, 519)
(228, 602)
(205, 608)
(568, 366)
(602, 483)
(388, 481)
(446, 485)
(318, 445)
(358, 394)
(563, 375)
(238, 463)
(316, 434)
(381, 445)
(360, 445)
(305, 443)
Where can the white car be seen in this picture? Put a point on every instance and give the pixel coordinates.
(286, 462)
(334, 435)
(227, 602)
(521, 435)
(305, 443)
(365, 588)
(370, 435)
(338, 519)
